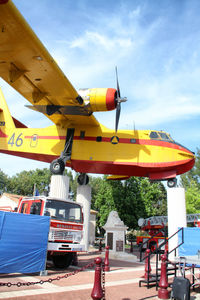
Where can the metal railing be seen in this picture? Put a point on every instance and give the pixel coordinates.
(157, 252)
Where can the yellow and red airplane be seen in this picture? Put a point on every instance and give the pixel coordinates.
(76, 139)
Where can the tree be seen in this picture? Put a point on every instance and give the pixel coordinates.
(192, 195)
(23, 183)
(4, 182)
(132, 199)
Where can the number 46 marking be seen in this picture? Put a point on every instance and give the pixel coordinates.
(18, 141)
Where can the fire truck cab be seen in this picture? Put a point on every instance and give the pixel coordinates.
(66, 226)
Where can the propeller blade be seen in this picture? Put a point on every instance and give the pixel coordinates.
(118, 89)
(118, 111)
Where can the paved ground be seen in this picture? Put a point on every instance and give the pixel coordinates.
(121, 283)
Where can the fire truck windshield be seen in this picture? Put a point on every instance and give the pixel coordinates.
(63, 211)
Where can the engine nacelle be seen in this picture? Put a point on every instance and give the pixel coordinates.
(99, 99)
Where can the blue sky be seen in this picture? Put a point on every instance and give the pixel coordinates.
(155, 45)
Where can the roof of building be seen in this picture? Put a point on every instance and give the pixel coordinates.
(12, 197)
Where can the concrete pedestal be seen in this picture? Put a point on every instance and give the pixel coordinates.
(59, 187)
(176, 215)
(84, 197)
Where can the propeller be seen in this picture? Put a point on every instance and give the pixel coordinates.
(118, 101)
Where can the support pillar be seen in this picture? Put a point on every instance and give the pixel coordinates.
(59, 187)
(176, 215)
(84, 197)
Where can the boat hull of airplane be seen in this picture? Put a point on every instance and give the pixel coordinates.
(154, 171)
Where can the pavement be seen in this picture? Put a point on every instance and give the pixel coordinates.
(76, 283)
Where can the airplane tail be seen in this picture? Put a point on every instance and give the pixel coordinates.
(6, 120)
(5, 116)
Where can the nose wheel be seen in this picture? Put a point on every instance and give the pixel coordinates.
(83, 179)
(172, 182)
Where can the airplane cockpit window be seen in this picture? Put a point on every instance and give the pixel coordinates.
(161, 136)
(154, 135)
(164, 136)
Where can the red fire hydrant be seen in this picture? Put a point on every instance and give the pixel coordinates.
(97, 292)
(106, 262)
(163, 293)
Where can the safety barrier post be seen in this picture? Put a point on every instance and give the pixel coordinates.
(97, 292)
(163, 293)
(106, 262)
(147, 265)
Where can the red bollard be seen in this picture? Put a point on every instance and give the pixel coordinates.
(147, 265)
(97, 292)
(163, 293)
(106, 262)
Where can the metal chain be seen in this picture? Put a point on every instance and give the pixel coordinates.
(103, 281)
(49, 280)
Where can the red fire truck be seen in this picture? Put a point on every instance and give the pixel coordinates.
(156, 228)
(66, 226)
(155, 232)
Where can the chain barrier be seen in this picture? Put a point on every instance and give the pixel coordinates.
(49, 280)
(103, 281)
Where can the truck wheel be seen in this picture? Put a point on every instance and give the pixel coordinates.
(62, 261)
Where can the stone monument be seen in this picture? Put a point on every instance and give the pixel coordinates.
(115, 233)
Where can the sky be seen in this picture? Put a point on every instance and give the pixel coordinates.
(155, 46)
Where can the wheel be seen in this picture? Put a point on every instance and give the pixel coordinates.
(172, 183)
(57, 166)
(62, 261)
(83, 179)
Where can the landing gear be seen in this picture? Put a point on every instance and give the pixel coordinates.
(83, 179)
(57, 166)
(172, 183)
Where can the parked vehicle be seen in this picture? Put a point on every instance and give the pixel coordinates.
(66, 226)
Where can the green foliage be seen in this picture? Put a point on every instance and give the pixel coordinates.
(132, 199)
(23, 183)
(4, 182)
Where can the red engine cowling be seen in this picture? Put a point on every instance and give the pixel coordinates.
(99, 99)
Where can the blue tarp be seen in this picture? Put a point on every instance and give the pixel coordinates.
(23, 242)
(191, 243)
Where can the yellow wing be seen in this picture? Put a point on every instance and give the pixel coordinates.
(28, 67)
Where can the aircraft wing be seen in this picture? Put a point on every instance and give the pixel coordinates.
(27, 66)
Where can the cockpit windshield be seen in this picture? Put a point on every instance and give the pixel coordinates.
(161, 136)
(63, 211)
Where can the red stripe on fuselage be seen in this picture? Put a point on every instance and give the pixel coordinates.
(108, 140)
